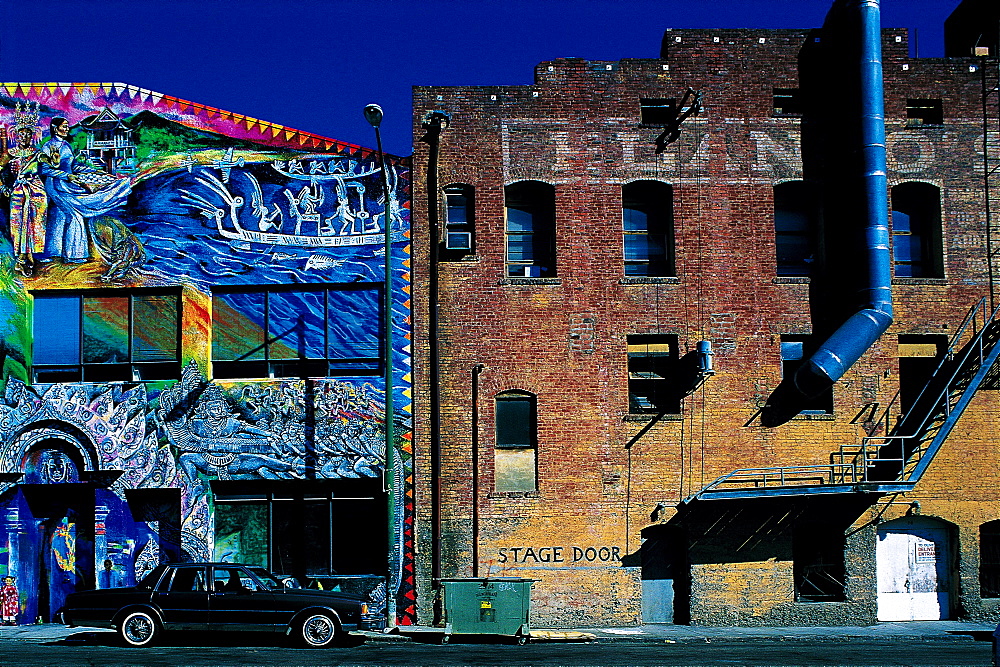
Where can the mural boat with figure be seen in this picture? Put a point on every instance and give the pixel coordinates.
(240, 234)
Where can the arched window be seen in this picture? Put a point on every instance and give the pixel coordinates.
(459, 221)
(516, 441)
(648, 228)
(531, 229)
(795, 216)
(916, 231)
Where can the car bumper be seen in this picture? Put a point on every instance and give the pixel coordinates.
(372, 622)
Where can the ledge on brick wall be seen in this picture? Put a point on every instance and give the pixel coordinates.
(792, 280)
(512, 495)
(650, 417)
(650, 280)
(459, 260)
(818, 417)
(919, 281)
(530, 281)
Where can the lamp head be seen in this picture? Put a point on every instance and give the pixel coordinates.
(373, 114)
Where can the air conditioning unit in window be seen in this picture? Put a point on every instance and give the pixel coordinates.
(458, 241)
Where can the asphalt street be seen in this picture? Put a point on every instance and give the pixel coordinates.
(90, 647)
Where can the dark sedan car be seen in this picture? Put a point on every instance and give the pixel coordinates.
(218, 596)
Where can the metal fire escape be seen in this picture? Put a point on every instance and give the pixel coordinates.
(894, 461)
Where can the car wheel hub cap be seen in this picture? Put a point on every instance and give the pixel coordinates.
(318, 630)
(139, 629)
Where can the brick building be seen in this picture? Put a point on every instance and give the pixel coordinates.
(628, 277)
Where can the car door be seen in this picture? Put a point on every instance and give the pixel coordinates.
(238, 601)
(183, 598)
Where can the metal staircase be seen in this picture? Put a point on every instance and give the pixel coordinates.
(894, 461)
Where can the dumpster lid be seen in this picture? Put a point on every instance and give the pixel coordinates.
(486, 579)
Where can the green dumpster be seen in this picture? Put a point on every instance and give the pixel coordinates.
(493, 606)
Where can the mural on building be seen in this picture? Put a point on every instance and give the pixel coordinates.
(273, 240)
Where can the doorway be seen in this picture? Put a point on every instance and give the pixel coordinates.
(914, 567)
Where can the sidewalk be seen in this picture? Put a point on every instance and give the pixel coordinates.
(658, 634)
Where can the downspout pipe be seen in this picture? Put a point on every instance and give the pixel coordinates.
(846, 345)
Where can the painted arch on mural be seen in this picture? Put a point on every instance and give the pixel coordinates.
(165, 239)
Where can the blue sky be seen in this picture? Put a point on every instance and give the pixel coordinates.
(314, 64)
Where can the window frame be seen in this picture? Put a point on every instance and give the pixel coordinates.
(454, 191)
(663, 394)
(817, 405)
(537, 199)
(654, 200)
(920, 202)
(302, 366)
(509, 452)
(794, 197)
(128, 370)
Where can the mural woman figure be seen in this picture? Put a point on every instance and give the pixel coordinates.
(76, 192)
(22, 183)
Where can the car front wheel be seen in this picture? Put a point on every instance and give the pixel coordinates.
(139, 628)
(318, 631)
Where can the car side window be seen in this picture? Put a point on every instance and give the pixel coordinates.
(188, 579)
(232, 580)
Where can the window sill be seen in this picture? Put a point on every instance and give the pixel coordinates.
(919, 281)
(817, 417)
(650, 280)
(513, 495)
(650, 417)
(459, 260)
(792, 280)
(530, 281)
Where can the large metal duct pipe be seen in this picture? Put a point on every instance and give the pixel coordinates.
(846, 345)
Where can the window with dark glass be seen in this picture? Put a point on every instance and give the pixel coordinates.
(459, 228)
(314, 331)
(648, 228)
(516, 442)
(302, 528)
(795, 213)
(916, 231)
(652, 374)
(106, 336)
(531, 230)
(787, 102)
(795, 351)
(924, 112)
(989, 559)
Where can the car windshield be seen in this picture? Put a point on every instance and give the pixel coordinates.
(266, 578)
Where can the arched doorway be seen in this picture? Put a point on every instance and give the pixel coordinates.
(914, 565)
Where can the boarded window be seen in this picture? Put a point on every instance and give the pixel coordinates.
(989, 559)
(516, 442)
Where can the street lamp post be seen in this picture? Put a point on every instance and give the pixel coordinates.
(373, 114)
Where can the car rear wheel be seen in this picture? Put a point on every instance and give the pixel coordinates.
(318, 631)
(139, 628)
